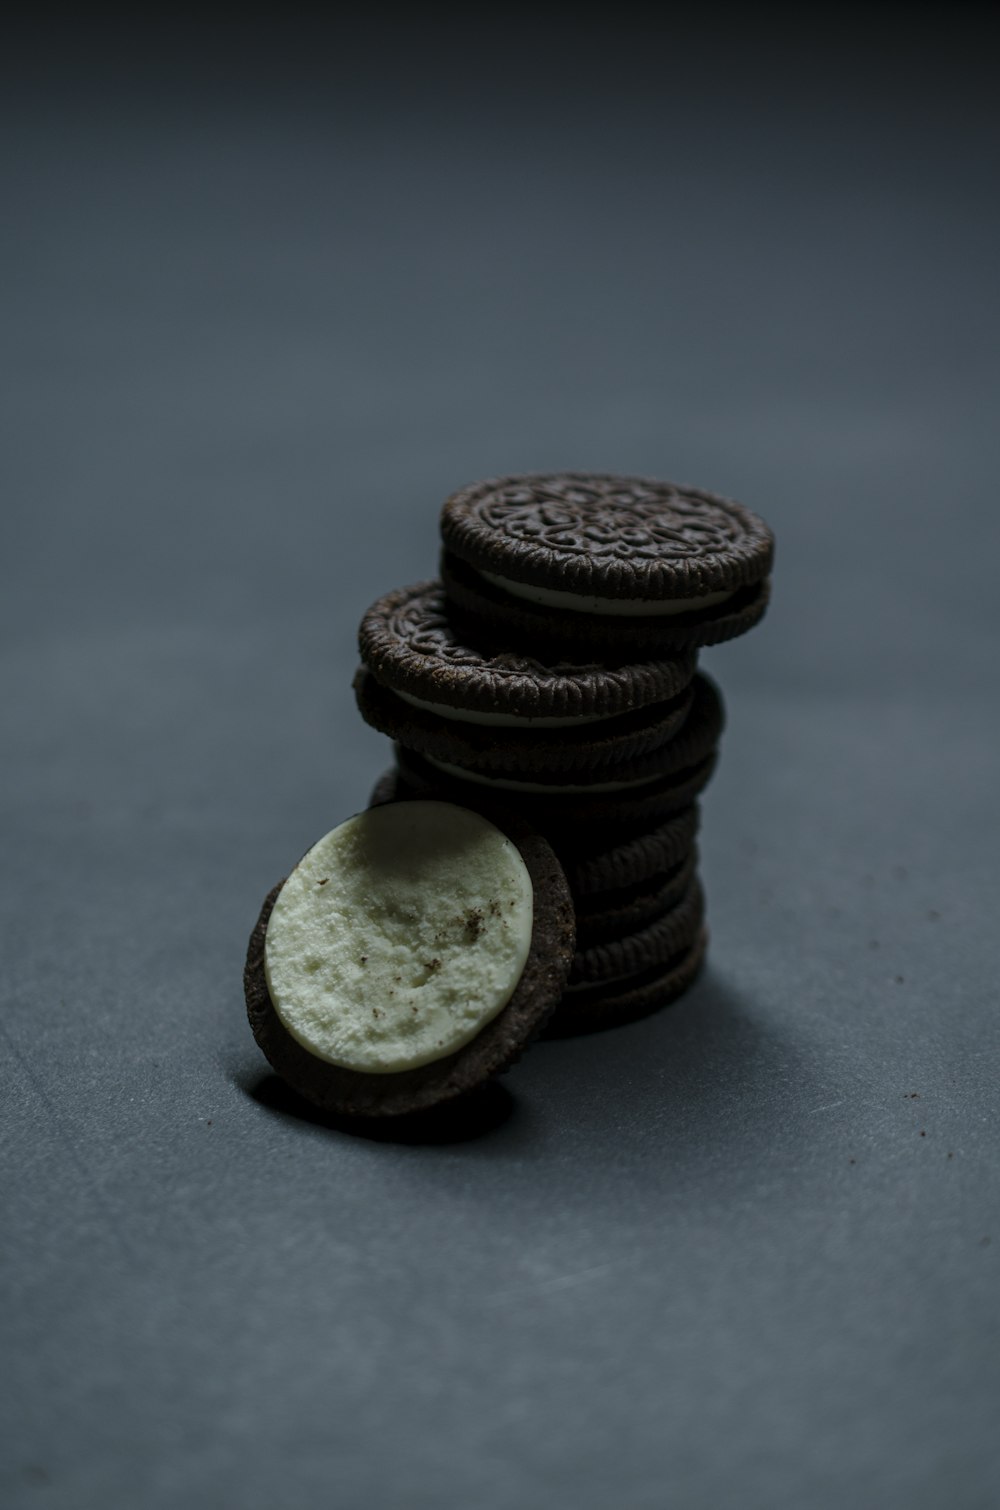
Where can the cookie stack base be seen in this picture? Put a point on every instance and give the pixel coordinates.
(611, 1004)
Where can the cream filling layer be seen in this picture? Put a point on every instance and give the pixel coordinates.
(399, 936)
(503, 720)
(462, 773)
(629, 608)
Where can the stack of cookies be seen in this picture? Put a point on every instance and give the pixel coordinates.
(551, 675)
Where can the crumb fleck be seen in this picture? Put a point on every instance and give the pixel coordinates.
(376, 1012)
(923, 1133)
(208, 1122)
(494, 908)
(474, 922)
(852, 1161)
(323, 882)
(432, 964)
(364, 959)
(911, 1095)
(951, 1156)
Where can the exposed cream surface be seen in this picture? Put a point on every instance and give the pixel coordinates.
(399, 936)
(629, 608)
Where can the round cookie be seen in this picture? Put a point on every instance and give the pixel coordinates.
(421, 964)
(591, 746)
(696, 737)
(591, 1009)
(599, 562)
(458, 701)
(409, 641)
(600, 819)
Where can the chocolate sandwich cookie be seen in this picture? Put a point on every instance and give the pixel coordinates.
(592, 562)
(453, 700)
(610, 1004)
(655, 944)
(412, 953)
(607, 915)
(592, 746)
(509, 782)
(563, 814)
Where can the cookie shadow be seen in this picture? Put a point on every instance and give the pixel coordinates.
(710, 1077)
(712, 1081)
(465, 1119)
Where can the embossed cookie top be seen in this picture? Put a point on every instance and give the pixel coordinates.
(619, 537)
(408, 640)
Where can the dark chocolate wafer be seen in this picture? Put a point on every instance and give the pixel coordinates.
(697, 735)
(628, 741)
(626, 861)
(607, 915)
(657, 942)
(479, 607)
(409, 641)
(615, 564)
(611, 1004)
(606, 819)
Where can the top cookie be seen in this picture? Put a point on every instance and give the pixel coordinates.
(606, 536)
(608, 549)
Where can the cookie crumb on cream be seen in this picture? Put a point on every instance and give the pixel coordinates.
(398, 936)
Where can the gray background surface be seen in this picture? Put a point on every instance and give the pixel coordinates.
(269, 293)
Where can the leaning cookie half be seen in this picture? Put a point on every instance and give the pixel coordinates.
(413, 952)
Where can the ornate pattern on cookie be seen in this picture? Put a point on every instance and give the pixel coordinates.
(409, 641)
(606, 538)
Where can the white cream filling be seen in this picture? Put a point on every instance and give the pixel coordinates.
(463, 774)
(629, 608)
(503, 720)
(399, 936)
